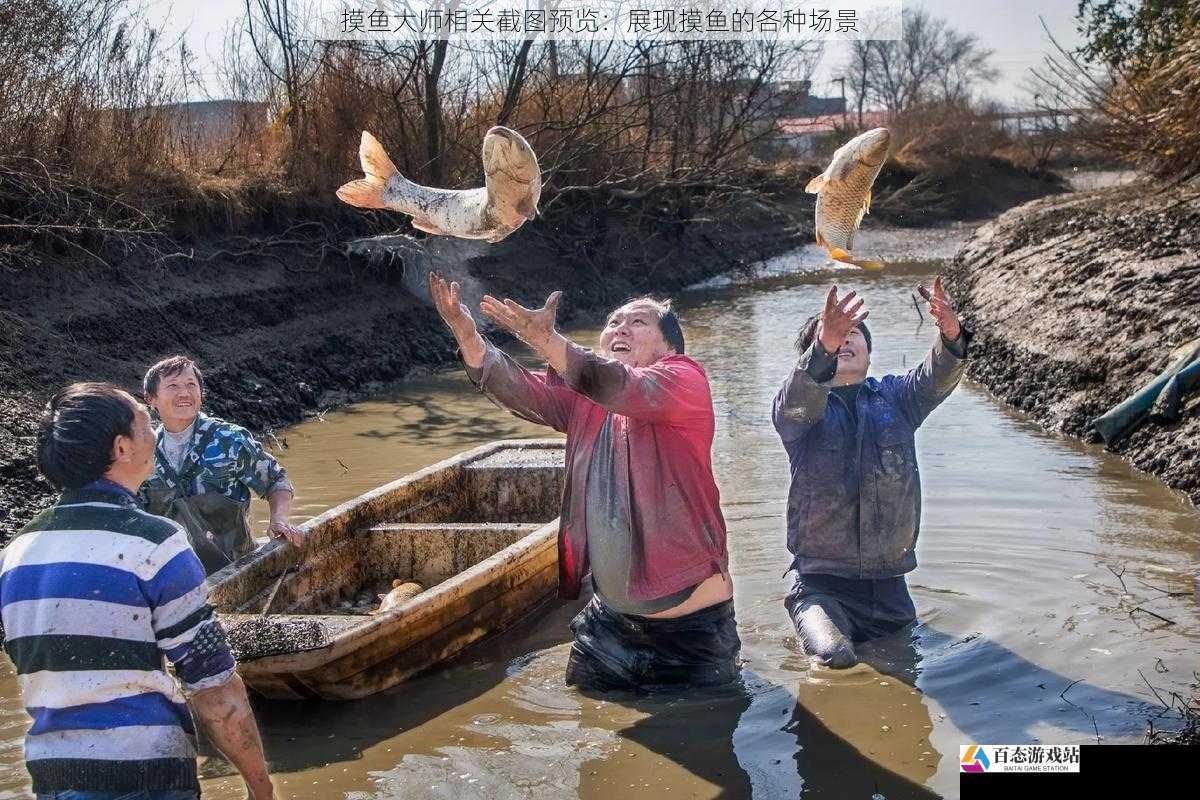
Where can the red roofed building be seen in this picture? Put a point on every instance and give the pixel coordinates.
(803, 135)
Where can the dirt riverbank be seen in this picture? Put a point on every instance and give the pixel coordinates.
(1078, 300)
(306, 323)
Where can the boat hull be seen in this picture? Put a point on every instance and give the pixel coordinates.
(473, 528)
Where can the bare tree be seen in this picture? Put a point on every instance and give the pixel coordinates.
(930, 63)
(289, 59)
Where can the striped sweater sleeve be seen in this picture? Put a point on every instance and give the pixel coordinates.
(188, 631)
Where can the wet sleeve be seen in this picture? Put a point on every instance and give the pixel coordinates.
(804, 396)
(540, 397)
(185, 626)
(927, 385)
(673, 389)
(259, 469)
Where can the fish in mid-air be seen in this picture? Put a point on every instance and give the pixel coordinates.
(843, 193)
(509, 196)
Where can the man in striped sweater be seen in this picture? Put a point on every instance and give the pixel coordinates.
(94, 593)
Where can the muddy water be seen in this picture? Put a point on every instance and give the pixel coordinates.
(1014, 591)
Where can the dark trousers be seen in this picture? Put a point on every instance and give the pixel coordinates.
(832, 613)
(620, 652)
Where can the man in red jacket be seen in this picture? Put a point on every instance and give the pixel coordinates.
(640, 509)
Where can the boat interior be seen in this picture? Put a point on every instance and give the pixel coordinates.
(424, 530)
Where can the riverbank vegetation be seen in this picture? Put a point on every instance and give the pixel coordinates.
(1135, 84)
(112, 144)
(1116, 266)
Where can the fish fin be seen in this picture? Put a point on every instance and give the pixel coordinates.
(821, 239)
(374, 159)
(815, 184)
(841, 166)
(838, 254)
(428, 227)
(527, 208)
(367, 192)
(867, 203)
(362, 193)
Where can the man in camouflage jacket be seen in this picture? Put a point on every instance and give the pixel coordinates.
(205, 469)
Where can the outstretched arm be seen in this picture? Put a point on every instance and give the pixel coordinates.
(925, 387)
(801, 401)
(534, 327)
(669, 390)
(532, 396)
(448, 299)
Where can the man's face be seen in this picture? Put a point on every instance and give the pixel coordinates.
(632, 336)
(133, 456)
(853, 359)
(178, 399)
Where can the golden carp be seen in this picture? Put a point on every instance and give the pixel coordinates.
(843, 193)
(509, 197)
(401, 593)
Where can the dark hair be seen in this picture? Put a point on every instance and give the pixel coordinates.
(808, 332)
(165, 369)
(76, 435)
(668, 321)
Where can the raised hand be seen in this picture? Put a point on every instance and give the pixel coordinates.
(456, 315)
(942, 311)
(535, 327)
(838, 319)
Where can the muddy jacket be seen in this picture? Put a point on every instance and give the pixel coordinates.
(210, 494)
(662, 433)
(854, 506)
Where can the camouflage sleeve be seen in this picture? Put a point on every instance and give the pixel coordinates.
(258, 469)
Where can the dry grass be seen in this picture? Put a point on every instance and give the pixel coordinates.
(1144, 111)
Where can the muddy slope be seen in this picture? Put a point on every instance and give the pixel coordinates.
(1077, 302)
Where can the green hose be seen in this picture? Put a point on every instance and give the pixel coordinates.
(1124, 418)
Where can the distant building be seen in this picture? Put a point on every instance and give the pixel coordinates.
(802, 137)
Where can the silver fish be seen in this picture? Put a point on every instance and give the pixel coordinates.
(843, 193)
(509, 197)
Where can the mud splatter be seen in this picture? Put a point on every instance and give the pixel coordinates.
(259, 637)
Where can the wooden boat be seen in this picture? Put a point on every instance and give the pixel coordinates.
(478, 531)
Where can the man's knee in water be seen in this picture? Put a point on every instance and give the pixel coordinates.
(824, 633)
(839, 656)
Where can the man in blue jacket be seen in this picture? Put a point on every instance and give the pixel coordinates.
(854, 506)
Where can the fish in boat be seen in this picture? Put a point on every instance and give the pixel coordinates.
(508, 198)
(401, 591)
(843, 193)
(479, 531)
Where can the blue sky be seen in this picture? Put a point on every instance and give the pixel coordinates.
(1009, 27)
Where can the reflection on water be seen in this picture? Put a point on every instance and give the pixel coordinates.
(1014, 591)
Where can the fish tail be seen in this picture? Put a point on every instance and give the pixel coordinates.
(838, 254)
(374, 159)
(363, 193)
(378, 167)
